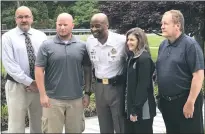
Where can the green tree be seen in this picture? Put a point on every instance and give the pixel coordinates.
(8, 17)
(8, 13)
(83, 11)
(41, 18)
(59, 10)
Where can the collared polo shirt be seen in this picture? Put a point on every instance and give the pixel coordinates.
(176, 64)
(63, 64)
(107, 58)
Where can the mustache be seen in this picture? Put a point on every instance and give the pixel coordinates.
(25, 23)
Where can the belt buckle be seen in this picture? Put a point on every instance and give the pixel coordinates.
(105, 81)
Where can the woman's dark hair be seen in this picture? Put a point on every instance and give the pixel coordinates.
(141, 37)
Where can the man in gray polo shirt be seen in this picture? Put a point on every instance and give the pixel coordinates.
(63, 59)
(180, 74)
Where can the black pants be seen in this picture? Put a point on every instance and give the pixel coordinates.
(175, 121)
(142, 126)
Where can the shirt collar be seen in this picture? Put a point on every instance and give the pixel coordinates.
(19, 31)
(109, 41)
(176, 42)
(58, 40)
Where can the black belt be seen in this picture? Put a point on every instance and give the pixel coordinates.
(171, 98)
(8, 77)
(107, 81)
(115, 80)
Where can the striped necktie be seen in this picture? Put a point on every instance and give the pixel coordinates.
(31, 55)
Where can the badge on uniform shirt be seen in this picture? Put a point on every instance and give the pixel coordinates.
(93, 52)
(113, 51)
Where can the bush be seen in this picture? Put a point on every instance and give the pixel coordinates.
(91, 109)
(4, 117)
(4, 109)
(3, 95)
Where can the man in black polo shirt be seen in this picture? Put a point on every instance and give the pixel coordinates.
(180, 73)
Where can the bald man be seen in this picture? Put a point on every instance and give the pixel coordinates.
(64, 59)
(107, 53)
(19, 48)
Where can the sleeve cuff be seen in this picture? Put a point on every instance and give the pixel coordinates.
(28, 81)
(136, 111)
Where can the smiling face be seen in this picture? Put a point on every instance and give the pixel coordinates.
(132, 42)
(24, 18)
(98, 28)
(136, 40)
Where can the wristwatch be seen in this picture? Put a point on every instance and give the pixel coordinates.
(88, 93)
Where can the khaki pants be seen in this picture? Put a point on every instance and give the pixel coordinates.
(19, 101)
(63, 112)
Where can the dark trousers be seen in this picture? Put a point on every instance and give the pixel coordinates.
(175, 121)
(109, 103)
(142, 126)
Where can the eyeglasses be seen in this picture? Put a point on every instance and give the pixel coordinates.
(21, 17)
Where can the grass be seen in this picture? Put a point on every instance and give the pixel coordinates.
(84, 37)
(154, 53)
(154, 40)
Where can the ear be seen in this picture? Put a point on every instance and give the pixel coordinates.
(32, 19)
(73, 25)
(178, 25)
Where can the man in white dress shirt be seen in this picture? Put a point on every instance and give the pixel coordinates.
(107, 53)
(19, 48)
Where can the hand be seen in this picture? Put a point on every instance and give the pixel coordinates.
(29, 89)
(45, 101)
(86, 100)
(188, 109)
(133, 118)
(33, 87)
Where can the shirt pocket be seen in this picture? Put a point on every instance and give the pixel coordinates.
(94, 58)
(113, 58)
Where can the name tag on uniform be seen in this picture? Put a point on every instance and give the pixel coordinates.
(105, 81)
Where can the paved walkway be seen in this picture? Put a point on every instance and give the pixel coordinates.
(92, 125)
